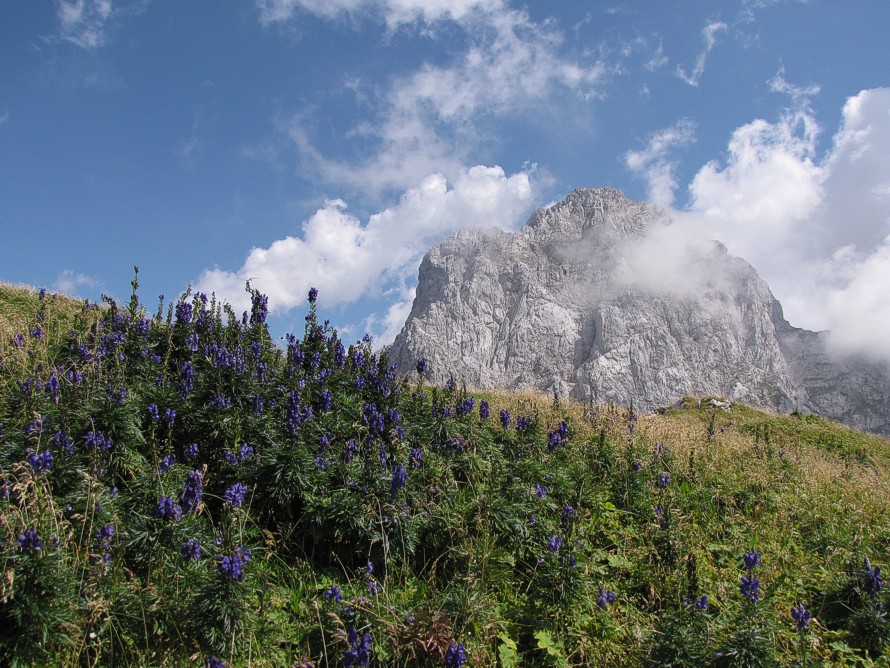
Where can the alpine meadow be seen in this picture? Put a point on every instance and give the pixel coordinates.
(177, 488)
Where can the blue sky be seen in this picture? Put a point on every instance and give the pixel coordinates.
(331, 142)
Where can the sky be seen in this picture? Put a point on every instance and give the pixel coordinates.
(330, 143)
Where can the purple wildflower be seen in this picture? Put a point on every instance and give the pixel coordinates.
(167, 463)
(191, 491)
(359, 652)
(168, 510)
(234, 495)
(232, 565)
(455, 656)
(802, 617)
(191, 550)
(605, 598)
(505, 418)
(422, 365)
(29, 541)
(334, 594)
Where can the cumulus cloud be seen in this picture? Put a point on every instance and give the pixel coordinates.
(816, 227)
(709, 35)
(70, 282)
(654, 165)
(347, 259)
(82, 22)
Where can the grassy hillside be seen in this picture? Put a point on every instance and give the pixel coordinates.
(178, 490)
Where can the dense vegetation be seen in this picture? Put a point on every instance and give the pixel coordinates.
(178, 489)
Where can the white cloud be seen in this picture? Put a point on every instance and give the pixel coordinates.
(348, 260)
(4, 117)
(70, 282)
(394, 12)
(653, 165)
(816, 228)
(709, 35)
(82, 22)
(426, 122)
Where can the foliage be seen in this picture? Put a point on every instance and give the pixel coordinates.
(178, 489)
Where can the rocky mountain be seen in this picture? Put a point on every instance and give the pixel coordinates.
(588, 302)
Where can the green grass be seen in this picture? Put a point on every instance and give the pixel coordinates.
(464, 552)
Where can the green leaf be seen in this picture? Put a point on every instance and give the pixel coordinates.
(507, 652)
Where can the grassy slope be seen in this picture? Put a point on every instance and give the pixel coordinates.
(812, 496)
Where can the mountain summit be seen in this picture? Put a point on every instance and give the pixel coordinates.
(588, 302)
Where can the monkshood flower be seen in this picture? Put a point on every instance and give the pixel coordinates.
(350, 450)
(35, 428)
(399, 476)
(168, 510)
(605, 598)
(749, 588)
(664, 479)
(153, 412)
(563, 430)
(313, 295)
(505, 418)
(191, 451)
(234, 495)
(555, 544)
(52, 387)
(167, 463)
(873, 581)
(375, 421)
(416, 458)
(170, 415)
(213, 662)
(232, 565)
(245, 453)
(29, 541)
(326, 402)
(455, 655)
(191, 491)
(422, 365)
(42, 462)
(97, 440)
(191, 550)
(484, 410)
(636, 465)
(553, 440)
(701, 603)
(358, 359)
(104, 535)
(259, 308)
(541, 491)
(220, 401)
(359, 652)
(802, 617)
(18, 341)
(37, 333)
(184, 312)
(522, 423)
(567, 513)
(467, 406)
(752, 560)
(334, 594)
(231, 458)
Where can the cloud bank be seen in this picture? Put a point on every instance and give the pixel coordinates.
(816, 227)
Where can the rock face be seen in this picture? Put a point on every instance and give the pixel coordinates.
(582, 302)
